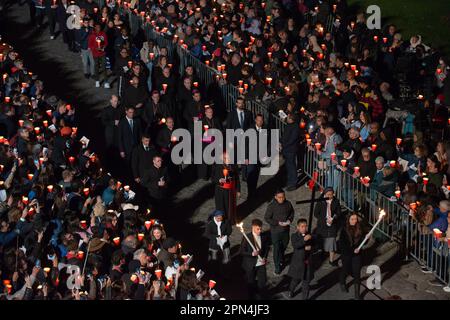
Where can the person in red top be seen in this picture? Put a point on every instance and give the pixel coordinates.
(97, 43)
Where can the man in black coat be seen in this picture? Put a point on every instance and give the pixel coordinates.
(328, 214)
(193, 111)
(253, 169)
(142, 158)
(218, 231)
(290, 143)
(279, 215)
(129, 132)
(301, 268)
(110, 119)
(209, 122)
(155, 180)
(254, 261)
(155, 111)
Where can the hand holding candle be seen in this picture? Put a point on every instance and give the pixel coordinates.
(380, 217)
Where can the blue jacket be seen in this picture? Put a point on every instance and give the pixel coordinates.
(108, 196)
(441, 222)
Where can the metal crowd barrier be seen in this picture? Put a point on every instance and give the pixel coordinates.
(417, 240)
(209, 76)
(423, 246)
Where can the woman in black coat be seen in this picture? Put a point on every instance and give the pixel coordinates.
(327, 228)
(351, 237)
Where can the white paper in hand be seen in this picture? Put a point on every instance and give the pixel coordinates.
(52, 128)
(282, 114)
(200, 275)
(131, 195)
(84, 141)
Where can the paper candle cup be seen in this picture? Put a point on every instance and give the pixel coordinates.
(147, 224)
(80, 255)
(425, 181)
(86, 191)
(212, 284)
(437, 233)
(317, 145)
(374, 147)
(83, 224)
(399, 141)
(398, 194)
(343, 162)
(158, 273)
(140, 236)
(116, 241)
(356, 169)
(308, 142)
(392, 163)
(333, 156)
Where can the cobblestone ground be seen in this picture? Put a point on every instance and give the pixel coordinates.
(192, 204)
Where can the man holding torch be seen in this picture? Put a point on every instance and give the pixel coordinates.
(254, 250)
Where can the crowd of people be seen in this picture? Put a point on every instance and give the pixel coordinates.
(370, 104)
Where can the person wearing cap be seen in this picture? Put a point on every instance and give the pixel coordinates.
(279, 215)
(169, 252)
(218, 231)
(328, 215)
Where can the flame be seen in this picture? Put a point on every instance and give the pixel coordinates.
(240, 226)
(382, 214)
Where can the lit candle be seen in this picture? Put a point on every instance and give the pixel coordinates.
(308, 142)
(385, 40)
(318, 145)
(50, 188)
(425, 180)
(140, 236)
(356, 170)
(45, 123)
(343, 162)
(375, 38)
(212, 284)
(333, 156)
(86, 191)
(392, 163)
(398, 193)
(158, 273)
(80, 255)
(164, 87)
(71, 159)
(147, 224)
(374, 147)
(116, 241)
(437, 233)
(399, 141)
(21, 123)
(196, 84)
(30, 176)
(25, 200)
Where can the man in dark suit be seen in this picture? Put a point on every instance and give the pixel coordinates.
(328, 214)
(301, 268)
(142, 158)
(253, 169)
(254, 260)
(240, 118)
(290, 143)
(129, 132)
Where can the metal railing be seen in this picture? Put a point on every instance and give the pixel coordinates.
(398, 225)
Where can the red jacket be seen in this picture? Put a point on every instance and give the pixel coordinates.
(95, 45)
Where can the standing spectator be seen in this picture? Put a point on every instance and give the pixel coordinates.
(97, 42)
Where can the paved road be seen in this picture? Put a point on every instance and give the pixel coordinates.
(185, 216)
